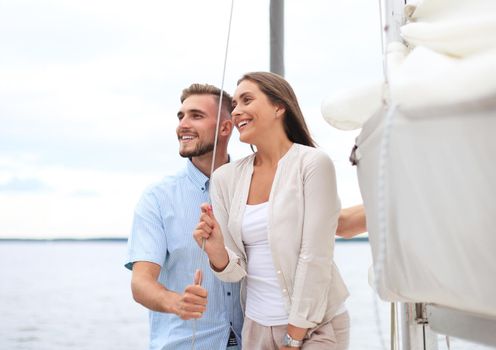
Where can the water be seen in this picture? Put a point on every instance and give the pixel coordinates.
(61, 295)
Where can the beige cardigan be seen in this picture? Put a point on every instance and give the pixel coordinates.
(303, 215)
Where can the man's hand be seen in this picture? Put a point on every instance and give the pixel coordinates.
(193, 302)
(154, 296)
(351, 222)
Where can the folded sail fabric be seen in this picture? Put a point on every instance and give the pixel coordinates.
(348, 110)
(453, 27)
(438, 208)
(451, 57)
(428, 78)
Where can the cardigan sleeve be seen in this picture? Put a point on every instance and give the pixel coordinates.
(314, 267)
(234, 270)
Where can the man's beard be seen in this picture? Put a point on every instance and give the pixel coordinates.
(200, 150)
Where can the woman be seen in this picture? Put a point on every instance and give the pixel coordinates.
(276, 212)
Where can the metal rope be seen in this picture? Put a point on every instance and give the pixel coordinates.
(212, 167)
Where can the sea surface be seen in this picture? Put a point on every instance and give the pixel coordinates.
(76, 295)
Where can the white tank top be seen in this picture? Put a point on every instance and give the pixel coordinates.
(264, 301)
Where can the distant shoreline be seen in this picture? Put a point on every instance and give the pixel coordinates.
(124, 239)
(75, 240)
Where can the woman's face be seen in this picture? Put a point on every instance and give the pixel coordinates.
(254, 115)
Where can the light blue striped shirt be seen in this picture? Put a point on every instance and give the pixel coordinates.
(164, 220)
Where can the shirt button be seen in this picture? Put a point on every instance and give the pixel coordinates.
(278, 272)
(284, 290)
(203, 188)
(228, 294)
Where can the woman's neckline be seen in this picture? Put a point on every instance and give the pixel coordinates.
(257, 205)
(284, 156)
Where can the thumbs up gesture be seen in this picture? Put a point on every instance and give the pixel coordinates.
(192, 303)
(208, 233)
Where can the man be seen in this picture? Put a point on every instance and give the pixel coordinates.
(162, 253)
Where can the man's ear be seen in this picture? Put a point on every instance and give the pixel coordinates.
(226, 127)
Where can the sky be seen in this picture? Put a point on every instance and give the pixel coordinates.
(89, 92)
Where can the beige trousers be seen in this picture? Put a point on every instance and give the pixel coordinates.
(332, 335)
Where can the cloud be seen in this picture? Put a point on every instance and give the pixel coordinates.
(26, 185)
(85, 193)
(88, 105)
(90, 91)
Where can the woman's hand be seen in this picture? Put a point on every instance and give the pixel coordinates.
(296, 333)
(208, 230)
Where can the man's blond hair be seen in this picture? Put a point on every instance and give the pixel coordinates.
(207, 89)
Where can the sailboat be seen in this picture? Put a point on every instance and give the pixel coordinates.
(426, 165)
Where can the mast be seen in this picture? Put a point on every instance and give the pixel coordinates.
(395, 18)
(277, 37)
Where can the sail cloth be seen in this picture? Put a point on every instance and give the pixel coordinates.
(451, 56)
(440, 177)
(422, 78)
(454, 27)
(439, 169)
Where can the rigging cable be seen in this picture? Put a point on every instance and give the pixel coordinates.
(212, 166)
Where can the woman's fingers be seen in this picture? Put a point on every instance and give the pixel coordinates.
(204, 217)
(199, 235)
(205, 207)
(203, 226)
(207, 228)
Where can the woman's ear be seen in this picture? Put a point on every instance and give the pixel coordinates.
(280, 110)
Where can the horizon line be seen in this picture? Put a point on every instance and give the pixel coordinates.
(124, 239)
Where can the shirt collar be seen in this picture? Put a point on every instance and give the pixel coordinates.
(197, 177)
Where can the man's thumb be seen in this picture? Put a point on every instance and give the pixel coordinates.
(198, 277)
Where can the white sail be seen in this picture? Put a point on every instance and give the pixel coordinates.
(450, 57)
(426, 162)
